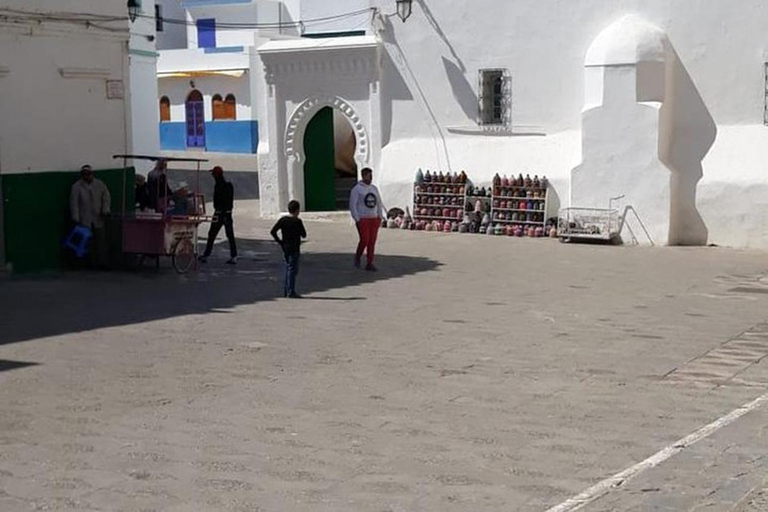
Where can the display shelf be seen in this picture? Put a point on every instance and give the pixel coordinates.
(515, 195)
(531, 222)
(517, 210)
(512, 198)
(446, 194)
(434, 217)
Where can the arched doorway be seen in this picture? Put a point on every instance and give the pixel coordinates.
(330, 170)
(195, 110)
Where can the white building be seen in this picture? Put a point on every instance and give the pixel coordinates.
(65, 103)
(681, 84)
(528, 87)
(211, 87)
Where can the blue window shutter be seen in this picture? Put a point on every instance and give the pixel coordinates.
(206, 33)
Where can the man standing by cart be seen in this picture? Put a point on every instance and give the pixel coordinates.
(89, 204)
(157, 186)
(367, 210)
(223, 202)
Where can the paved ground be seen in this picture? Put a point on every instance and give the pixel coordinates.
(472, 373)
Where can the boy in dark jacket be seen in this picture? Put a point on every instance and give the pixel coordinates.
(223, 201)
(292, 232)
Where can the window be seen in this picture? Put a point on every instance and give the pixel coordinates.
(165, 109)
(495, 98)
(217, 105)
(230, 107)
(159, 22)
(206, 33)
(224, 109)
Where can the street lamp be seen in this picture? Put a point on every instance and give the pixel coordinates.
(134, 9)
(404, 9)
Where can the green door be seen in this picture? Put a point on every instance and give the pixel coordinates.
(319, 167)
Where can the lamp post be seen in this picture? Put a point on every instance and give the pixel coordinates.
(134, 9)
(404, 8)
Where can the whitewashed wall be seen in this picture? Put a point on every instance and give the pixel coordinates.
(429, 93)
(141, 88)
(173, 35)
(49, 121)
(312, 10)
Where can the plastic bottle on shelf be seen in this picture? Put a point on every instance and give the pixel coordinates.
(544, 182)
(463, 177)
(419, 177)
(528, 181)
(536, 182)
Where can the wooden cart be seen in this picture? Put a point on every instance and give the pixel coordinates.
(156, 234)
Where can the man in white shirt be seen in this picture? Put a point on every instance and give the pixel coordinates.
(367, 210)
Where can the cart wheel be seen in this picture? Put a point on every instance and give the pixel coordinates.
(183, 257)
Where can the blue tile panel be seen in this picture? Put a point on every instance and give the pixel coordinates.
(220, 136)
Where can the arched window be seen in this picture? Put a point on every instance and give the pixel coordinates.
(195, 95)
(217, 107)
(230, 107)
(165, 109)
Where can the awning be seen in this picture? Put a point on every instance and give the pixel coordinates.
(234, 73)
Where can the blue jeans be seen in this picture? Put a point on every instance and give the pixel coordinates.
(291, 270)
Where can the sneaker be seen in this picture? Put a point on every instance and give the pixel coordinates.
(371, 268)
(232, 261)
(294, 295)
(203, 259)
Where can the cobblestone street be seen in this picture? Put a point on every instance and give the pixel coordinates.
(472, 373)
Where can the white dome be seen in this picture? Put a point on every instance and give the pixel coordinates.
(628, 41)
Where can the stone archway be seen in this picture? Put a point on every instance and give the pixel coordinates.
(294, 138)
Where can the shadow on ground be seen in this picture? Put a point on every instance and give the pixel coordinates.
(80, 301)
(6, 365)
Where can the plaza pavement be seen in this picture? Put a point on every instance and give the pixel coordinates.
(472, 373)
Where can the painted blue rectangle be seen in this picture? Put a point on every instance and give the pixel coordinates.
(232, 136)
(206, 33)
(173, 136)
(225, 49)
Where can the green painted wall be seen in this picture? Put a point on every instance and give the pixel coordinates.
(319, 168)
(36, 214)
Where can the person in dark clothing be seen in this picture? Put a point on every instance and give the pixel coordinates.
(223, 202)
(143, 199)
(292, 232)
(158, 188)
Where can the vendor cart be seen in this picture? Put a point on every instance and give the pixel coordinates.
(165, 232)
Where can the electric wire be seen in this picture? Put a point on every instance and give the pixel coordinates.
(98, 21)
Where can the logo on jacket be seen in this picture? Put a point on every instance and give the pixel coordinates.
(370, 200)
